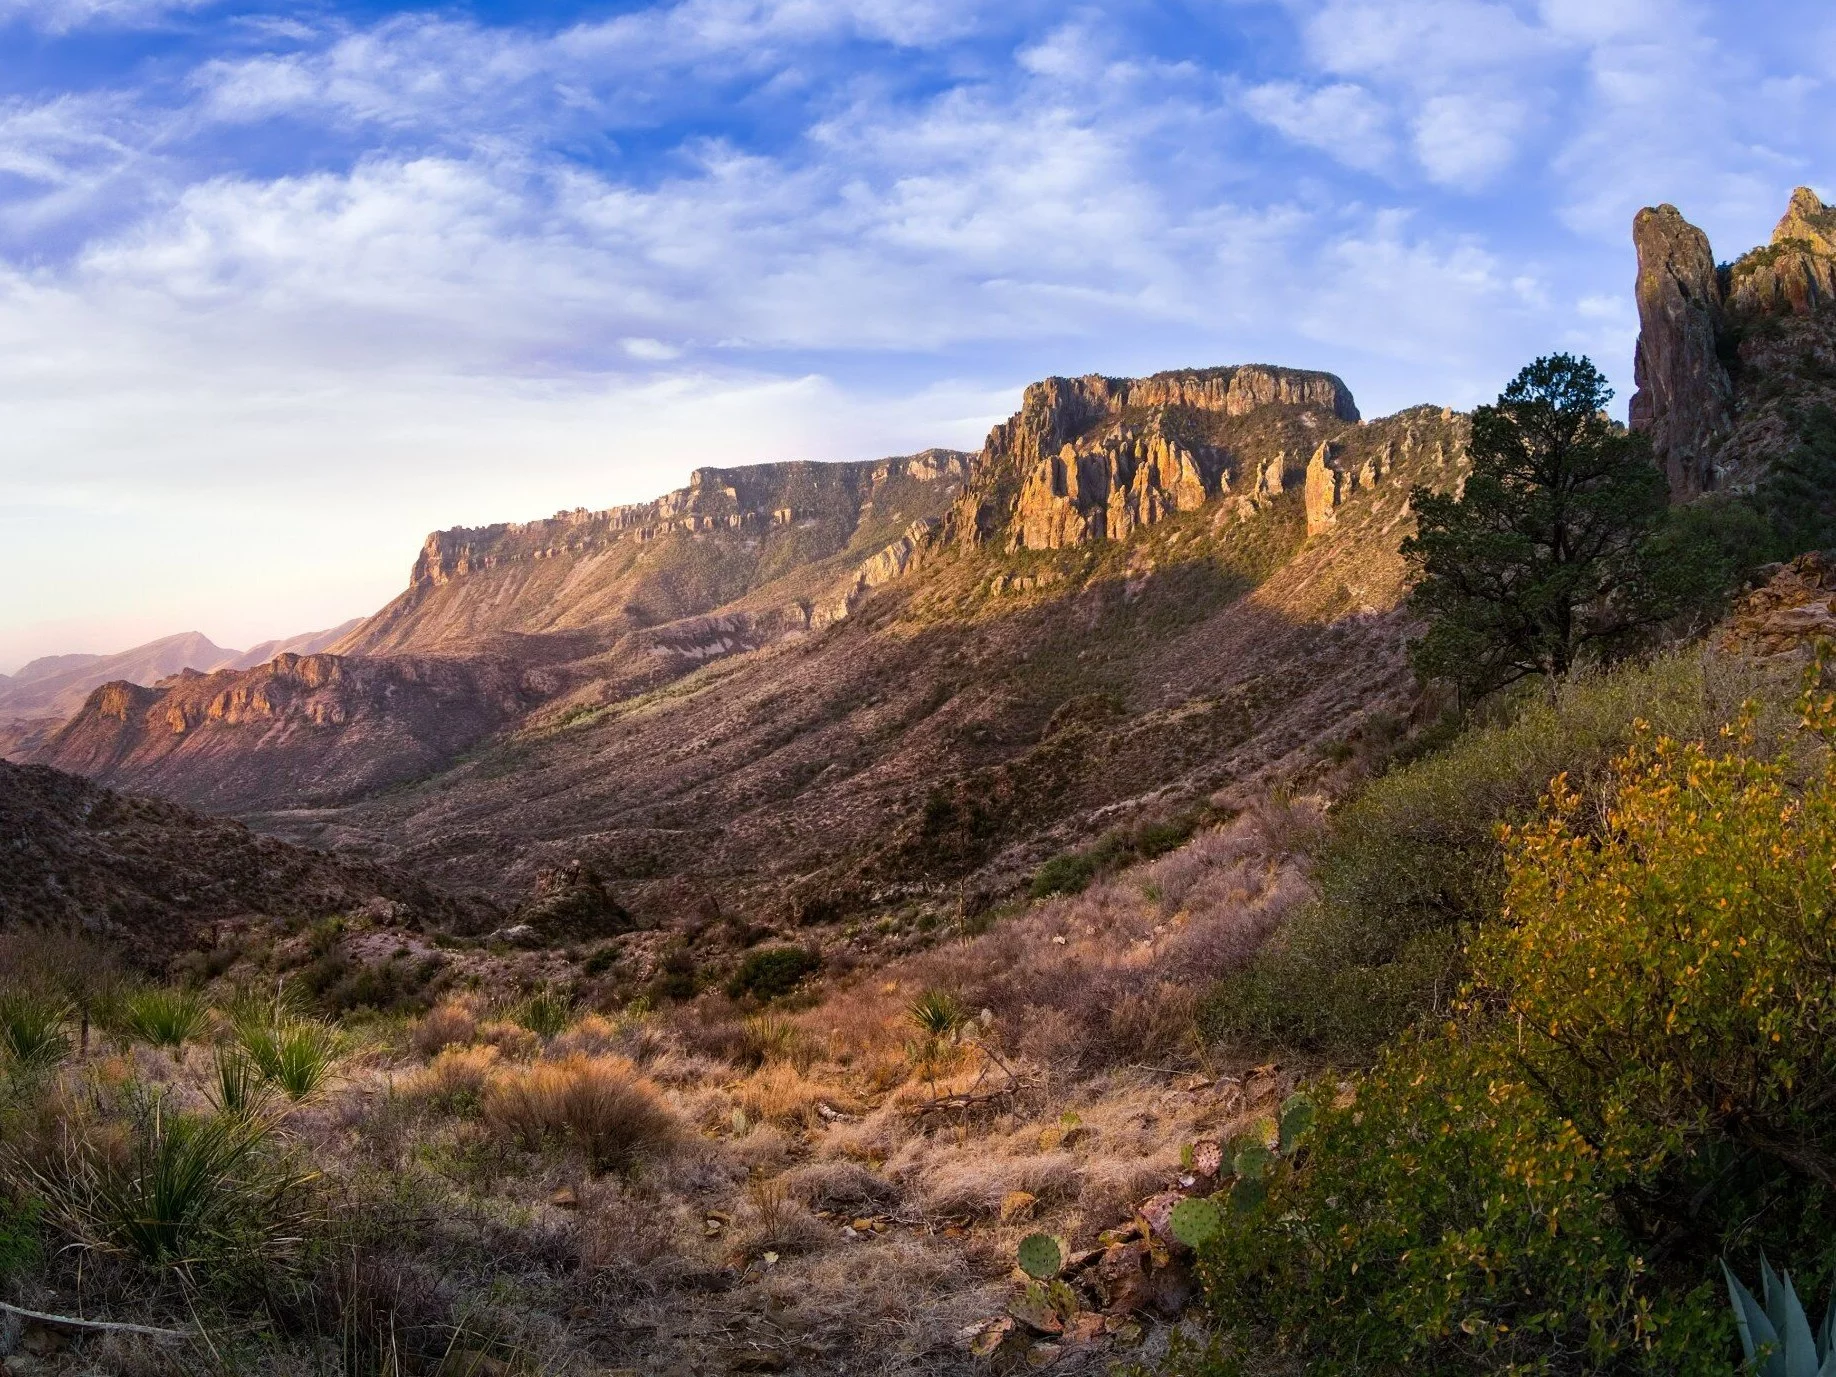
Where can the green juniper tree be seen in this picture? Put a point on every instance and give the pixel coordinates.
(1546, 556)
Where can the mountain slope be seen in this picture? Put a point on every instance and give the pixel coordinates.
(56, 685)
(155, 876)
(312, 728)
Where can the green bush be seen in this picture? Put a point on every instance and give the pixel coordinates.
(295, 1055)
(1071, 872)
(1414, 862)
(1639, 1079)
(772, 971)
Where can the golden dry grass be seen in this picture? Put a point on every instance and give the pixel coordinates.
(602, 1105)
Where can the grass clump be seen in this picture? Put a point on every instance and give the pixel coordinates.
(600, 1105)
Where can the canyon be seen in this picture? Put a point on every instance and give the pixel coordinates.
(805, 693)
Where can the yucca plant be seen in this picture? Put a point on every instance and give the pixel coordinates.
(1776, 1337)
(187, 1186)
(238, 1088)
(936, 1014)
(32, 1028)
(161, 1017)
(296, 1055)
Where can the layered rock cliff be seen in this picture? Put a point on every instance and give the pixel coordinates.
(1720, 347)
(1095, 458)
(784, 542)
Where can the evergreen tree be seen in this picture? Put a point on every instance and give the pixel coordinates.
(1545, 557)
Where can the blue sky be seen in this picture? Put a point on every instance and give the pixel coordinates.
(285, 286)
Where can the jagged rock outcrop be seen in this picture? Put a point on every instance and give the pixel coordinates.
(1331, 480)
(300, 729)
(1721, 350)
(1684, 396)
(1095, 458)
(1796, 272)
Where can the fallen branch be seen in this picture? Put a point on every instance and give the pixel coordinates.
(72, 1322)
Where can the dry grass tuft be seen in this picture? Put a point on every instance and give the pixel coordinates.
(515, 1041)
(456, 1079)
(780, 1093)
(602, 1105)
(452, 1022)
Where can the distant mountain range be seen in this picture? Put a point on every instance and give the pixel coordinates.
(55, 686)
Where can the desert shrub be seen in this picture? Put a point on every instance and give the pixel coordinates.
(1639, 1079)
(456, 1079)
(32, 1028)
(772, 971)
(1072, 871)
(160, 1016)
(677, 975)
(449, 1022)
(599, 1104)
(1413, 862)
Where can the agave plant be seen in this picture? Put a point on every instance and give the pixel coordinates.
(1776, 1337)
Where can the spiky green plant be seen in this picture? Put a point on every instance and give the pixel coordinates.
(32, 1028)
(238, 1087)
(160, 1016)
(296, 1055)
(1776, 1337)
(546, 1012)
(188, 1186)
(936, 1014)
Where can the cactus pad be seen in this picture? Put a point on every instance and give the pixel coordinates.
(1040, 1257)
(1195, 1222)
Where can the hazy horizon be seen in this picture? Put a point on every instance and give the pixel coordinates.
(284, 288)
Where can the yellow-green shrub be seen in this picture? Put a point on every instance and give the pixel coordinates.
(1640, 1077)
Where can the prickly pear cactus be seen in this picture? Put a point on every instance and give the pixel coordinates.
(1297, 1115)
(1040, 1257)
(1195, 1222)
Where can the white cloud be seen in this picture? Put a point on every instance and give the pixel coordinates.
(1465, 141)
(1343, 118)
(62, 16)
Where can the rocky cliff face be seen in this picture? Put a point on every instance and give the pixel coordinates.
(1718, 346)
(300, 730)
(1684, 396)
(1095, 458)
(787, 540)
